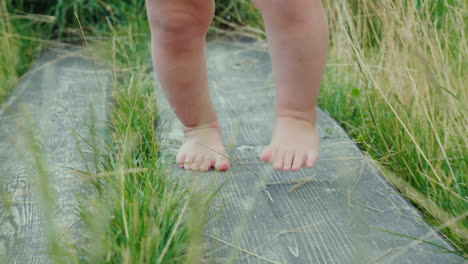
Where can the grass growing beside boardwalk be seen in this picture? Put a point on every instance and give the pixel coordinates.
(28, 26)
(395, 81)
(17, 45)
(149, 209)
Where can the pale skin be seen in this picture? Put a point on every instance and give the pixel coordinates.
(297, 37)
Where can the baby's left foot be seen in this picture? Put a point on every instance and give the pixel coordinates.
(295, 144)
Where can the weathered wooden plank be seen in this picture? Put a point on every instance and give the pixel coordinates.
(328, 214)
(63, 96)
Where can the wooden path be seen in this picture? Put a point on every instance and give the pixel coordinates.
(62, 95)
(333, 213)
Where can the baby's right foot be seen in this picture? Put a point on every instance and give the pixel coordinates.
(203, 149)
(294, 145)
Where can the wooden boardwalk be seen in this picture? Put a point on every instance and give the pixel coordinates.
(62, 95)
(333, 213)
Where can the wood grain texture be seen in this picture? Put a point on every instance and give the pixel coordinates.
(331, 213)
(62, 95)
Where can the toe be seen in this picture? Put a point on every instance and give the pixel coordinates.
(180, 159)
(287, 161)
(189, 161)
(278, 160)
(222, 163)
(299, 160)
(198, 162)
(312, 157)
(267, 154)
(207, 164)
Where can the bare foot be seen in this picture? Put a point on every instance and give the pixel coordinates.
(295, 144)
(203, 149)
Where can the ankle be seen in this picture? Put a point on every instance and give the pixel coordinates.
(309, 117)
(206, 126)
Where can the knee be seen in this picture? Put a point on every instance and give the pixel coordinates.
(180, 24)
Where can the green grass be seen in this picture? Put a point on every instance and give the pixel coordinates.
(27, 26)
(148, 206)
(401, 95)
(19, 45)
(149, 209)
(394, 80)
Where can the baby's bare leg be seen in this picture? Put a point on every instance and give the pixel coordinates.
(178, 29)
(298, 40)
